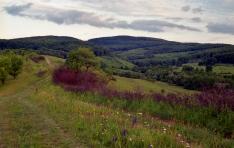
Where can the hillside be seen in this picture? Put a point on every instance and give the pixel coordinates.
(144, 51)
(51, 45)
(125, 55)
(36, 113)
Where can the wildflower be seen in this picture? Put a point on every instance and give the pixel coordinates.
(179, 135)
(114, 139)
(117, 113)
(140, 114)
(124, 133)
(134, 120)
(129, 115)
(130, 139)
(151, 146)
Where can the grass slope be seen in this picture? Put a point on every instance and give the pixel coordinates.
(123, 83)
(36, 113)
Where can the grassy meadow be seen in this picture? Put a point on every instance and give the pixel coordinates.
(130, 84)
(34, 112)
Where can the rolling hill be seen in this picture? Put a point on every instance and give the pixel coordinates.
(144, 51)
(140, 51)
(51, 45)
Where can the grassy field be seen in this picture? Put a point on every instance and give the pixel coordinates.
(114, 62)
(218, 68)
(224, 68)
(36, 113)
(123, 83)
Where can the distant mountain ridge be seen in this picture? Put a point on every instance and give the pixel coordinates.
(141, 51)
(52, 45)
(123, 43)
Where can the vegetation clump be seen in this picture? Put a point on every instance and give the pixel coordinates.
(10, 64)
(74, 76)
(82, 58)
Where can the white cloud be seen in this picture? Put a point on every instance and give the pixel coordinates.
(170, 19)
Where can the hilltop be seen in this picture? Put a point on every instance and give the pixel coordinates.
(140, 51)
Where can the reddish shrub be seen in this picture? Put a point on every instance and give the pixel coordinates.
(219, 97)
(78, 81)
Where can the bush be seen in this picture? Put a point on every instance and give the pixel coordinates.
(78, 80)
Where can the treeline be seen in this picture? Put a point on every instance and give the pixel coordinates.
(177, 58)
(190, 77)
(10, 65)
(50, 45)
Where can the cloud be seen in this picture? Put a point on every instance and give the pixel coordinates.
(157, 26)
(196, 19)
(221, 28)
(197, 10)
(186, 8)
(17, 9)
(70, 16)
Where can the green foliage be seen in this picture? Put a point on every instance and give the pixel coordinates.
(187, 68)
(16, 65)
(99, 122)
(209, 68)
(4, 68)
(82, 57)
(10, 64)
(3, 74)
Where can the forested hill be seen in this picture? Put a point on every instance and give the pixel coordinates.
(52, 45)
(124, 43)
(144, 51)
(141, 51)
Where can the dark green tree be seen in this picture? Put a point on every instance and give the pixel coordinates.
(209, 68)
(4, 67)
(3, 75)
(82, 57)
(16, 65)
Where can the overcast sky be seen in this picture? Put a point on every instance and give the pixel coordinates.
(178, 20)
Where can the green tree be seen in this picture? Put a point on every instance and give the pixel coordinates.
(82, 57)
(16, 65)
(3, 75)
(4, 67)
(187, 68)
(209, 68)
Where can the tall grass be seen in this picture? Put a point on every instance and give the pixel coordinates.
(211, 108)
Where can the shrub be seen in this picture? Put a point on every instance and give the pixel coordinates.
(37, 58)
(78, 80)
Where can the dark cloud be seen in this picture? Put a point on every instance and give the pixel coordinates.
(196, 19)
(175, 18)
(221, 28)
(64, 16)
(197, 10)
(17, 9)
(186, 8)
(157, 26)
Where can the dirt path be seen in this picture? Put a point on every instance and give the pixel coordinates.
(33, 112)
(33, 115)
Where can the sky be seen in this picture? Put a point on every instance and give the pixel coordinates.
(177, 20)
